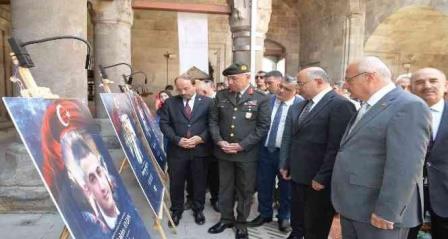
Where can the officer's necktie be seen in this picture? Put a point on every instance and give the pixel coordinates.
(237, 97)
(306, 110)
(274, 127)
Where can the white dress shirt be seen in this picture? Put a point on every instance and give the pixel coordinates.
(436, 111)
(190, 102)
(281, 125)
(377, 96)
(319, 96)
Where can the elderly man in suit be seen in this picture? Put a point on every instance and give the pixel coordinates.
(311, 140)
(430, 84)
(239, 120)
(269, 159)
(184, 121)
(377, 177)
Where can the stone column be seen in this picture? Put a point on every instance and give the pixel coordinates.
(240, 28)
(113, 21)
(59, 65)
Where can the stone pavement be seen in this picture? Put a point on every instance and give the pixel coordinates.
(50, 225)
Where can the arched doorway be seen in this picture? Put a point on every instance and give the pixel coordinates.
(411, 38)
(274, 56)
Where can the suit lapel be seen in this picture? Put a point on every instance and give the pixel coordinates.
(442, 132)
(231, 97)
(197, 104)
(317, 108)
(296, 115)
(381, 105)
(181, 107)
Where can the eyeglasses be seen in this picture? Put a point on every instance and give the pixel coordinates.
(259, 77)
(300, 84)
(349, 79)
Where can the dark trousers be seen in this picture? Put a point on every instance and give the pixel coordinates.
(311, 212)
(236, 178)
(360, 230)
(267, 171)
(439, 228)
(213, 179)
(179, 169)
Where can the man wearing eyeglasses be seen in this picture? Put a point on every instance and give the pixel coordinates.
(238, 121)
(377, 177)
(260, 81)
(268, 162)
(311, 140)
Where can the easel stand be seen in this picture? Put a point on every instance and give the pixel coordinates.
(160, 173)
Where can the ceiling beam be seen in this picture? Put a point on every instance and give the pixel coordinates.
(182, 7)
(5, 1)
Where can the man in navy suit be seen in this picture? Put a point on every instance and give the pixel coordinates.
(311, 140)
(184, 121)
(430, 84)
(269, 159)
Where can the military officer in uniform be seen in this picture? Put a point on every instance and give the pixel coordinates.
(239, 119)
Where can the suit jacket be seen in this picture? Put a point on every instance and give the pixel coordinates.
(379, 165)
(437, 168)
(175, 124)
(309, 149)
(245, 122)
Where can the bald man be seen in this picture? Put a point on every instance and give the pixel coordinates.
(430, 84)
(311, 138)
(377, 177)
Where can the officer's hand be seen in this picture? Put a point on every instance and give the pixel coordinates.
(236, 147)
(225, 146)
(285, 174)
(381, 223)
(317, 186)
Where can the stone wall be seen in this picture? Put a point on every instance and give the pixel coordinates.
(321, 34)
(284, 29)
(154, 33)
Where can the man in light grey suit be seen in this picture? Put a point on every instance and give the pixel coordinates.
(377, 177)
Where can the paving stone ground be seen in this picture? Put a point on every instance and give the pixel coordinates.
(50, 225)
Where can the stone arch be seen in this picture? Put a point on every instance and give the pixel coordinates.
(408, 39)
(379, 10)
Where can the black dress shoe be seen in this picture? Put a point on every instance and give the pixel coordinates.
(215, 206)
(241, 234)
(284, 226)
(199, 218)
(258, 221)
(219, 227)
(176, 218)
(294, 236)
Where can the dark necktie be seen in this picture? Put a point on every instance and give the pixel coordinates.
(274, 128)
(237, 97)
(305, 110)
(187, 110)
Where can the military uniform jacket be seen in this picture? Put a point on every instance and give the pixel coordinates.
(245, 122)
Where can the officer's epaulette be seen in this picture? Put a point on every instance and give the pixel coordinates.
(260, 91)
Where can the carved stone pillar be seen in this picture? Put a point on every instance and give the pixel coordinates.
(240, 27)
(113, 21)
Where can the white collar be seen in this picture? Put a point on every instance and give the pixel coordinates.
(321, 95)
(288, 102)
(380, 94)
(191, 99)
(438, 107)
(244, 90)
(110, 221)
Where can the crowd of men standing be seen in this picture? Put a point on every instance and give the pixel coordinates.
(382, 167)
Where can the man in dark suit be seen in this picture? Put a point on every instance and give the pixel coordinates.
(269, 159)
(377, 178)
(184, 121)
(239, 119)
(430, 84)
(311, 140)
